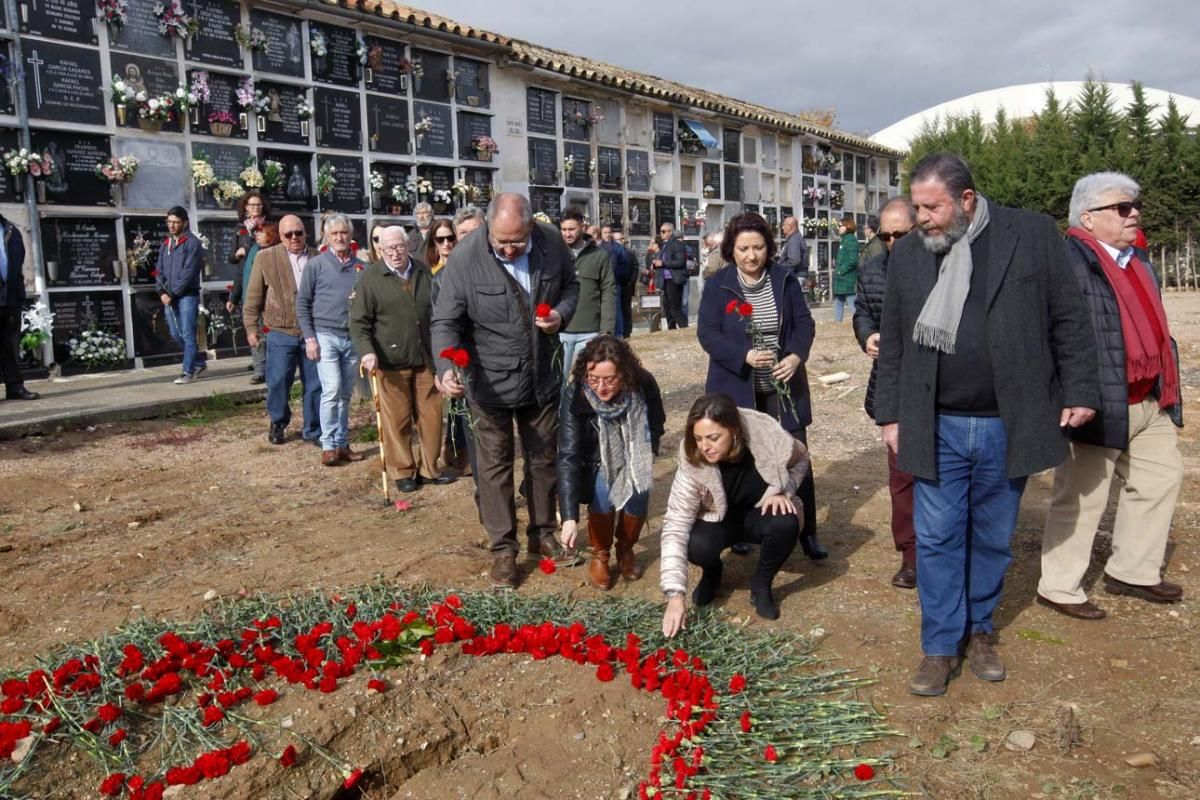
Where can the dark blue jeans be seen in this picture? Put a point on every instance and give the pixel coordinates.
(964, 522)
(285, 353)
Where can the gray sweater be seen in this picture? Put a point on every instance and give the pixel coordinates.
(323, 297)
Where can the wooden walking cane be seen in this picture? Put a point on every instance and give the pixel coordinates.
(387, 484)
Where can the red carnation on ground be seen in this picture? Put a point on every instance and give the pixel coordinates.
(543, 310)
(770, 755)
(266, 697)
(546, 565)
(213, 715)
(864, 772)
(112, 785)
(745, 309)
(117, 737)
(377, 685)
(108, 712)
(745, 722)
(288, 756)
(605, 672)
(737, 683)
(352, 779)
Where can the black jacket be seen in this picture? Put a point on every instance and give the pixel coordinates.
(868, 313)
(1110, 426)
(673, 255)
(579, 442)
(12, 290)
(480, 308)
(1043, 351)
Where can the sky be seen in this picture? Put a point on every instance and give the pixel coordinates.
(875, 63)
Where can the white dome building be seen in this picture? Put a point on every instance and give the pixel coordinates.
(1020, 102)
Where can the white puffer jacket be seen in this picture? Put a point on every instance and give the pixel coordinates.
(697, 492)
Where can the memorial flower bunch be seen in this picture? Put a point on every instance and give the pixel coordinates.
(245, 93)
(252, 177)
(568, 164)
(174, 21)
(250, 37)
(163, 107)
(326, 178)
(377, 181)
(813, 194)
(403, 192)
(361, 51)
(485, 144)
(96, 348)
(22, 161)
(758, 341)
(198, 91)
(423, 126)
(118, 169)
(262, 103)
(36, 323)
(113, 12)
(222, 118)
(202, 171)
(462, 189)
(836, 197)
(316, 41)
(458, 407)
(442, 196)
(121, 93)
(303, 109)
(227, 192)
(272, 173)
(424, 186)
(139, 252)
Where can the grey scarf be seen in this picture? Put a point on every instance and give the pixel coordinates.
(625, 454)
(937, 327)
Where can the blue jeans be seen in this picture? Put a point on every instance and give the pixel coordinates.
(636, 506)
(337, 368)
(572, 343)
(285, 354)
(964, 522)
(181, 322)
(840, 303)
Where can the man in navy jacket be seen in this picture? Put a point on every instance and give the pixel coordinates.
(180, 262)
(12, 296)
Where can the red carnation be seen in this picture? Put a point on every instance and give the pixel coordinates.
(288, 756)
(113, 784)
(543, 310)
(352, 779)
(745, 309)
(770, 755)
(51, 726)
(213, 715)
(266, 328)
(745, 722)
(229, 287)
(737, 683)
(864, 772)
(266, 697)
(605, 672)
(461, 359)
(546, 565)
(731, 306)
(377, 685)
(117, 737)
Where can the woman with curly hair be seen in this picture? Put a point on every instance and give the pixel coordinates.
(610, 423)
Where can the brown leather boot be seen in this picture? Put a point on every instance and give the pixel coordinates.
(629, 530)
(600, 537)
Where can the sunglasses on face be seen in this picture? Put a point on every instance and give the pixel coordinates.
(445, 239)
(291, 234)
(884, 236)
(1124, 208)
(375, 239)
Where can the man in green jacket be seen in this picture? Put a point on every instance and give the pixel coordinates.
(390, 312)
(597, 309)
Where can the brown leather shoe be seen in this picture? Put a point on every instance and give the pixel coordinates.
(1085, 610)
(330, 458)
(346, 454)
(905, 578)
(550, 548)
(933, 675)
(1161, 592)
(503, 573)
(982, 658)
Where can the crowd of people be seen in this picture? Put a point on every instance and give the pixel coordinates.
(999, 350)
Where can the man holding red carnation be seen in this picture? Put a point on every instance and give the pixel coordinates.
(502, 299)
(389, 323)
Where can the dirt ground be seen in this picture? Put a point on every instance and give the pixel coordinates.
(99, 527)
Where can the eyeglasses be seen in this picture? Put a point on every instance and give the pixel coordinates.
(884, 236)
(375, 239)
(445, 239)
(597, 381)
(1124, 208)
(664, 230)
(291, 234)
(394, 248)
(510, 245)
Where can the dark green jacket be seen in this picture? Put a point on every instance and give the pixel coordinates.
(597, 309)
(845, 270)
(389, 321)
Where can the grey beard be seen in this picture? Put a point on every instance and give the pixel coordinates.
(940, 243)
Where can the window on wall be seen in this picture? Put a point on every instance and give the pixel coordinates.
(731, 146)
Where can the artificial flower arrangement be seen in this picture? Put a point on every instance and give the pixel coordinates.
(251, 177)
(316, 41)
(198, 91)
(113, 12)
(250, 38)
(245, 93)
(174, 21)
(23, 161)
(442, 196)
(117, 169)
(424, 187)
(423, 126)
(96, 348)
(326, 179)
(272, 173)
(303, 109)
(227, 192)
(377, 181)
(485, 145)
(36, 324)
(121, 93)
(202, 172)
(403, 192)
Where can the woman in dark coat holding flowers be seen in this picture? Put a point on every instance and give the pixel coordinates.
(757, 330)
(610, 423)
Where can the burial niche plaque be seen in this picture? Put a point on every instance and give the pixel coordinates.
(76, 312)
(547, 201)
(383, 201)
(143, 235)
(348, 194)
(638, 169)
(75, 156)
(612, 210)
(227, 160)
(639, 218)
(339, 123)
(151, 336)
(61, 82)
(471, 83)
(222, 96)
(540, 116)
(161, 166)
(140, 33)
(296, 191)
(288, 128)
(222, 238)
(80, 251)
(576, 122)
(431, 76)
(578, 173)
(608, 167)
(387, 67)
(285, 55)
(339, 65)
(470, 128)
(433, 130)
(543, 161)
(70, 20)
(152, 75)
(387, 124)
(214, 43)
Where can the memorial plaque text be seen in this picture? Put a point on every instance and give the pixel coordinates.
(339, 123)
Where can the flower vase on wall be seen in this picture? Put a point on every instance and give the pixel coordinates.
(39, 188)
(118, 193)
(304, 128)
(243, 121)
(52, 271)
(260, 122)
(122, 113)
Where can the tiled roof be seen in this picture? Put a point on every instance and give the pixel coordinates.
(607, 75)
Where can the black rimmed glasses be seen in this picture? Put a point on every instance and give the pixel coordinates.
(1124, 208)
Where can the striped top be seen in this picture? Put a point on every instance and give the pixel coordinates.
(766, 316)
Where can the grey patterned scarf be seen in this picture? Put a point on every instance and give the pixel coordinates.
(937, 327)
(625, 454)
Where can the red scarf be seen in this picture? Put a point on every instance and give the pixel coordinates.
(1143, 321)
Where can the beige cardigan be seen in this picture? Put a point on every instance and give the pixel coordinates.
(697, 492)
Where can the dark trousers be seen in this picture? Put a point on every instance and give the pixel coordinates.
(625, 305)
(10, 330)
(495, 455)
(777, 533)
(673, 305)
(900, 485)
(807, 491)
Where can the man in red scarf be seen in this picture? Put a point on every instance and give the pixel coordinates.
(1133, 435)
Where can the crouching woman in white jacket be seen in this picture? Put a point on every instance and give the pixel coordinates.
(737, 479)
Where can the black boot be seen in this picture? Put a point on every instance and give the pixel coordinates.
(762, 598)
(706, 590)
(778, 542)
(813, 548)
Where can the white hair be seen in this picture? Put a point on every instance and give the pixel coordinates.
(1090, 190)
(336, 219)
